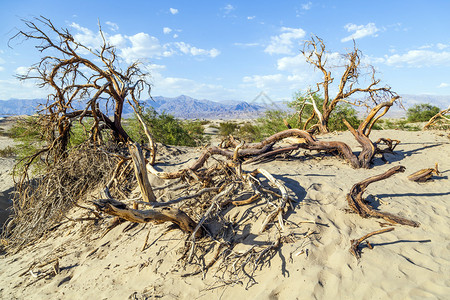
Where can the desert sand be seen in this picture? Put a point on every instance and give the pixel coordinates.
(407, 263)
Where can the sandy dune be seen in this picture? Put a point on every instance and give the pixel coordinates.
(407, 263)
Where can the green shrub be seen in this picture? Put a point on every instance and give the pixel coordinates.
(227, 128)
(398, 125)
(271, 123)
(165, 129)
(421, 112)
(343, 111)
(8, 151)
(28, 133)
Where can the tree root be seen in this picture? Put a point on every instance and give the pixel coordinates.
(360, 206)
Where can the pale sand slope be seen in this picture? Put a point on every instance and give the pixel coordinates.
(407, 263)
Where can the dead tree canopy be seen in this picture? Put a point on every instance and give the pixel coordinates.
(83, 82)
(348, 86)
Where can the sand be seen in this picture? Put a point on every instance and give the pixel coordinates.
(407, 263)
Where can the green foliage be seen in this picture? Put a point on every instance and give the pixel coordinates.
(341, 111)
(271, 123)
(421, 112)
(166, 129)
(28, 133)
(79, 132)
(8, 151)
(399, 125)
(227, 128)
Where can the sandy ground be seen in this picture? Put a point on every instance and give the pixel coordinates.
(407, 263)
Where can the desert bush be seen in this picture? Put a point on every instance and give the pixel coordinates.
(29, 135)
(421, 112)
(227, 128)
(166, 129)
(8, 151)
(398, 125)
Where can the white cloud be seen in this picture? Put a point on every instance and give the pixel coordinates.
(188, 49)
(444, 85)
(13, 88)
(293, 64)
(112, 26)
(251, 17)
(307, 6)
(360, 31)
(418, 59)
(22, 70)
(142, 46)
(117, 40)
(86, 36)
(2, 69)
(246, 44)
(284, 43)
(167, 30)
(173, 11)
(228, 8)
(175, 36)
(441, 46)
(262, 81)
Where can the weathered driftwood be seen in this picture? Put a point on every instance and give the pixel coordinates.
(355, 243)
(424, 174)
(359, 205)
(156, 215)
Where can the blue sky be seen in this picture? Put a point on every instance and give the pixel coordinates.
(233, 50)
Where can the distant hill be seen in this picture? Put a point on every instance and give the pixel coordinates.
(181, 107)
(189, 108)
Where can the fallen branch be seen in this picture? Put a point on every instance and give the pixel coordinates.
(156, 215)
(355, 243)
(424, 174)
(359, 204)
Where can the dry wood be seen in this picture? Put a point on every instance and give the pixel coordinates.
(355, 243)
(151, 140)
(359, 205)
(156, 215)
(424, 174)
(278, 213)
(141, 172)
(439, 116)
(315, 54)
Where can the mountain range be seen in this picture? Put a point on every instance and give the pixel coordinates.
(189, 108)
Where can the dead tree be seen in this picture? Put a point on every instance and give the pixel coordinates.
(264, 148)
(315, 54)
(84, 83)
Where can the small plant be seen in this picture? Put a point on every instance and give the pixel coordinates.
(166, 129)
(399, 125)
(227, 128)
(421, 112)
(8, 151)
